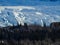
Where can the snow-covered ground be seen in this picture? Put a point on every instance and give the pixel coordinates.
(11, 15)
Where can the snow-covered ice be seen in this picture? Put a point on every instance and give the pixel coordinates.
(11, 15)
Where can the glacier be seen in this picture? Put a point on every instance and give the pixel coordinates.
(13, 15)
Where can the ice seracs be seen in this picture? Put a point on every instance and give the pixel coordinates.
(20, 20)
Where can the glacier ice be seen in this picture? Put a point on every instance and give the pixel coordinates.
(10, 16)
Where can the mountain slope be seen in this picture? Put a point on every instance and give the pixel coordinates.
(10, 16)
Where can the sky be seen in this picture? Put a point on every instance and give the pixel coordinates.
(28, 2)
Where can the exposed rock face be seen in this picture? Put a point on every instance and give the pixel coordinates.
(55, 25)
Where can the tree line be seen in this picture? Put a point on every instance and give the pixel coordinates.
(31, 32)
